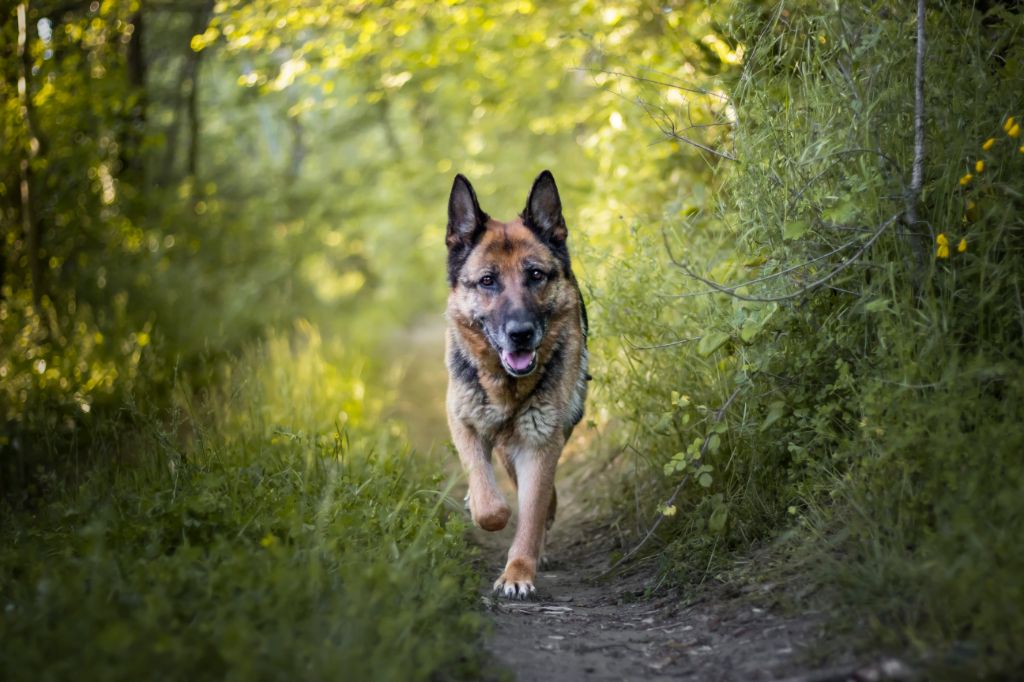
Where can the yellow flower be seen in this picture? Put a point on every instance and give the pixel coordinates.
(942, 252)
(965, 179)
(1022, 149)
(1014, 130)
(979, 166)
(962, 246)
(941, 240)
(1008, 124)
(988, 143)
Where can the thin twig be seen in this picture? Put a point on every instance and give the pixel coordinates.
(677, 342)
(684, 88)
(719, 414)
(670, 130)
(724, 289)
(774, 275)
(698, 145)
(842, 152)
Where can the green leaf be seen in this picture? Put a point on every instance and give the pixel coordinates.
(714, 443)
(877, 305)
(775, 412)
(842, 212)
(677, 463)
(749, 330)
(794, 229)
(711, 342)
(718, 519)
(704, 480)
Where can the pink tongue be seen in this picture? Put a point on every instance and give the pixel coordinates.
(518, 361)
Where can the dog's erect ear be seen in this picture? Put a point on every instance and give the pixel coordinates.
(543, 212)
(466, 222)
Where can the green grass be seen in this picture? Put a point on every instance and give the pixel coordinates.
(258, 550)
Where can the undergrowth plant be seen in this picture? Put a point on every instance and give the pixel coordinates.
(270, 532)
(795, 368)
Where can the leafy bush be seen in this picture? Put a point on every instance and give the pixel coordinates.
(873, 398)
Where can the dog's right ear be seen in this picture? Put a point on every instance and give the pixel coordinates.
(466, 222)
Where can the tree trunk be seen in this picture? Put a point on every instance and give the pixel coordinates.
(298, 150)
(918, 241)
(192, 159)
(29, 150)
(132, 163)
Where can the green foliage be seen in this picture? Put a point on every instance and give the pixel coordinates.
(263, 549)
(873, 400)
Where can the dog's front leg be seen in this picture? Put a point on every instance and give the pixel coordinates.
(486, 503)
(535, 472)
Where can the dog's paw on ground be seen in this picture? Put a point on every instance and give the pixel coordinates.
(514, 589)
(516, 582)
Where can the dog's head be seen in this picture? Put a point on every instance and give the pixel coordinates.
(509, 280)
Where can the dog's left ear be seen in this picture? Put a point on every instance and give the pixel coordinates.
(466, 220)
(543, 213)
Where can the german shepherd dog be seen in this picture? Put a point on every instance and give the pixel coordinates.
(516, 352)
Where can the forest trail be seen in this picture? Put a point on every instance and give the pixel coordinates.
(583, 625)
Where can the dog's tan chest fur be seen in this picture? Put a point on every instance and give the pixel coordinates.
(533, 421)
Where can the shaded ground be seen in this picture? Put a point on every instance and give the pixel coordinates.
(582, 625)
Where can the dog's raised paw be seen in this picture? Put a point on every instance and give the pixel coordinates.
(493, 519)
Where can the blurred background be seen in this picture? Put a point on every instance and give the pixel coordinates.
(200, 172)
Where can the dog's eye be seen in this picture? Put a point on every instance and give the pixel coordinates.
(487, 281)
(537, 275)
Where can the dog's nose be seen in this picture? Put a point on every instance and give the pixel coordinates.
(520, 334)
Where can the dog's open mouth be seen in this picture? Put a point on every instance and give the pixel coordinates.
(519, 363)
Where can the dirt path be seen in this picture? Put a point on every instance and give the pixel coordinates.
(582, 625)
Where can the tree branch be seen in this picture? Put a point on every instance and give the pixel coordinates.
(641, 79)
(914, 192)
(669, 344)
(758, 280)
(731, 290)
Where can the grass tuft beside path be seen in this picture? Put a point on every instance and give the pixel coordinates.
(258, 552)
